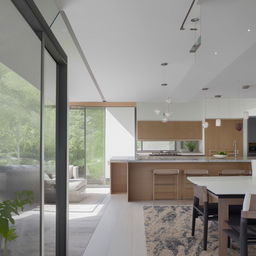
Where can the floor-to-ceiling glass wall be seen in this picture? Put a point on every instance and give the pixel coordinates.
(30, 134)
(20, 60)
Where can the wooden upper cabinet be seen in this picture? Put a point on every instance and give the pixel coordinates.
(173, 130)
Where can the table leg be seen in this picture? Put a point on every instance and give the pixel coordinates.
(223, 212)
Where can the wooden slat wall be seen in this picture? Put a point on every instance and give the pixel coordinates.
(173, 130)
(222, 138)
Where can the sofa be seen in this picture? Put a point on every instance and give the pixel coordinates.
(76, 186)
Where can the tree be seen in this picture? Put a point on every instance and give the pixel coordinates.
(19, 116)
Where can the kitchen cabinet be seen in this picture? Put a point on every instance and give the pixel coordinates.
(173, 130)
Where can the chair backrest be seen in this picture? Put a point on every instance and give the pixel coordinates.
(232, 172)
(253, 164)
(196, 172)
(166, 171)
(201, 193)
(249, 206)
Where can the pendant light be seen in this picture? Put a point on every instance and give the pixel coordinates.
(246, 115)
(204, 123)
(218, 120)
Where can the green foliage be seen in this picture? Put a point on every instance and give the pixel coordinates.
(20, 121)
(221, 153)
(19, 117)
(190, 145)
(7, 209)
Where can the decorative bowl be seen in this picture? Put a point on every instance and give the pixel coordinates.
(219, 156)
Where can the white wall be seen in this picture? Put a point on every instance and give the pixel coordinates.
(215, 108)
(20, 49)
(120, 134)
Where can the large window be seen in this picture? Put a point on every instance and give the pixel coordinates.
(87, 143)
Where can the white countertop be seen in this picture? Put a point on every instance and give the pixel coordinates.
(178, 159)
(227, 185)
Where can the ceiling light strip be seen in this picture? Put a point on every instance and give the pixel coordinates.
(79, 48)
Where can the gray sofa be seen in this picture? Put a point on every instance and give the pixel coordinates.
(76, 187)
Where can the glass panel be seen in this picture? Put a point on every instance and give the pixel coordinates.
(77, 142)
(20, 59)
(49, 154)
(95, 145)
(158, 145)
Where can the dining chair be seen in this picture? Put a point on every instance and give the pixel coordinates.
(243, 228)
(203, 208)
(187, 185)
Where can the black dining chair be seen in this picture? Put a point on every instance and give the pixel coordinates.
(202, 208)
(243, 227)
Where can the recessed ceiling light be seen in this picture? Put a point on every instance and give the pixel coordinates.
(218, 96)
(164, 64)
(164, 84)
(205, 89)
(215, 53)
(245, 87)
(195, 19)
(249, 30)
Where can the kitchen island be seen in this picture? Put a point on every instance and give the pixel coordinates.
(134, 175)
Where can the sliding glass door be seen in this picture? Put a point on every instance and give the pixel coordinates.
(33, 134)
(20, 93)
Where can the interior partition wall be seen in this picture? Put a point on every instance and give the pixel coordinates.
(33, 132)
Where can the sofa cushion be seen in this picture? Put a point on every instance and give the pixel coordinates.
(76, 185)
(70, 171)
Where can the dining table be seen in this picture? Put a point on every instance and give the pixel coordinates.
(227, 190)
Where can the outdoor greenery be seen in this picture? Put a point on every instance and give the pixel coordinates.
(86, 141)
(19, 119)
(20, 128)
(95, 142)
(20, 122)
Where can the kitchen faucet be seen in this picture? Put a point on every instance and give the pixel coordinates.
(235, 148)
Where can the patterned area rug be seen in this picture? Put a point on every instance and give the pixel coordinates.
(168, 233)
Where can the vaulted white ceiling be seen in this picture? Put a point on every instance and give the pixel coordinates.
(126, 41)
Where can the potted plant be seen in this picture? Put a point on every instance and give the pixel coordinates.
(7, 209)
(190, 145)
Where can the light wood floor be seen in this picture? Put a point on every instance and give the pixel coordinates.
(121, 228)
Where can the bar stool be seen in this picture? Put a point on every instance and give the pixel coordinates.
(165, 183)
(233, 172)
(187, 185)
